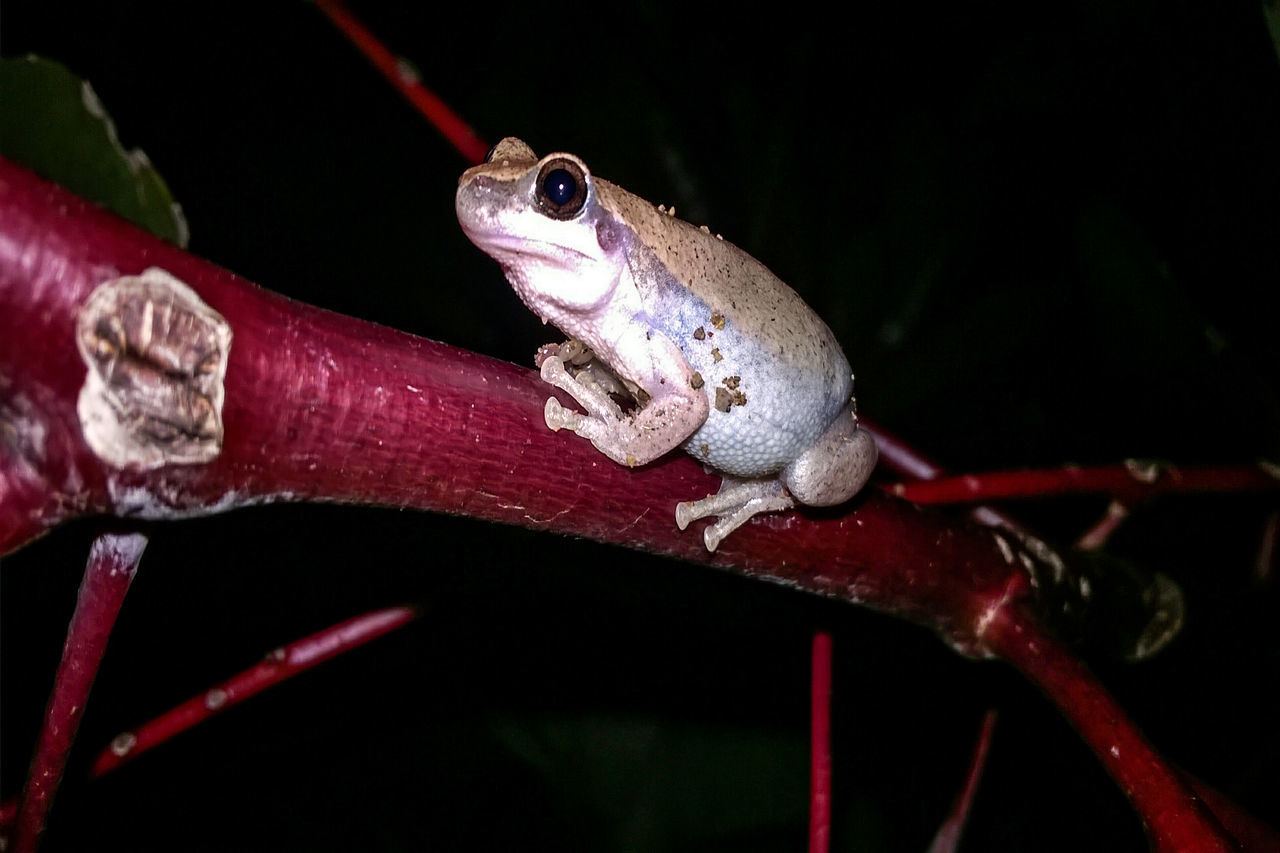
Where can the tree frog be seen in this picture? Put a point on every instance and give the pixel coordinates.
(717, 354)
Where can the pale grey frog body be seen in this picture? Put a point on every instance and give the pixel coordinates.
(724, 359)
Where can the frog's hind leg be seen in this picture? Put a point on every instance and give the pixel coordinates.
(733, 505)
(836, 467)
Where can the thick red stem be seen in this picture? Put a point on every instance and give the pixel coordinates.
(113, 560)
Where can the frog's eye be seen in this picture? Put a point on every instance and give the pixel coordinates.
(561, 188)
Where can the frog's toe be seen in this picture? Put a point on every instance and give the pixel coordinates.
(735, 503)
(558, 417)
(552, 371)
(686, 511)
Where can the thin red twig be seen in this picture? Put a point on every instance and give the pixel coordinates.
(113, 561)
(1128, 482)
(948, 838)
(1097, 535)
(402, 75)
(906, 461)
(280, 665)
(820, 746)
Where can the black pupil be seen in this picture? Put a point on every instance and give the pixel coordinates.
(559, 186)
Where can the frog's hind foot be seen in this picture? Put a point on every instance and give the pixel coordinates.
(733, 505)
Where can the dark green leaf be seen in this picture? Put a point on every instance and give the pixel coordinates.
(54, 124)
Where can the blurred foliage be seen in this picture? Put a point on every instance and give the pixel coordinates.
(662, 785)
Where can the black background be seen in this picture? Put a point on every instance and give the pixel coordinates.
(1043, 234)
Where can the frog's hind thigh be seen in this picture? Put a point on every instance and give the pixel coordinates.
(733, 506)
(836, 466)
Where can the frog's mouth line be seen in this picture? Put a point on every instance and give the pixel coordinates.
(525, 247)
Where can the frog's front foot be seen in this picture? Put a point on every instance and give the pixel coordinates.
(597, 403)
(733, 506)
(602, 425)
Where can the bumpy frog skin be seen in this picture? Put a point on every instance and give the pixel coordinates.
(724, 359)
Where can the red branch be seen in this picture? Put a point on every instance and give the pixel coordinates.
(280, 665)
(324, 407)
(1129, 482)
(405, 79)
(113, 560)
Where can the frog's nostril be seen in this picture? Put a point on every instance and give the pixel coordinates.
(608, 234)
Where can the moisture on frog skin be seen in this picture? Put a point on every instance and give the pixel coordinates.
(731, 364)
